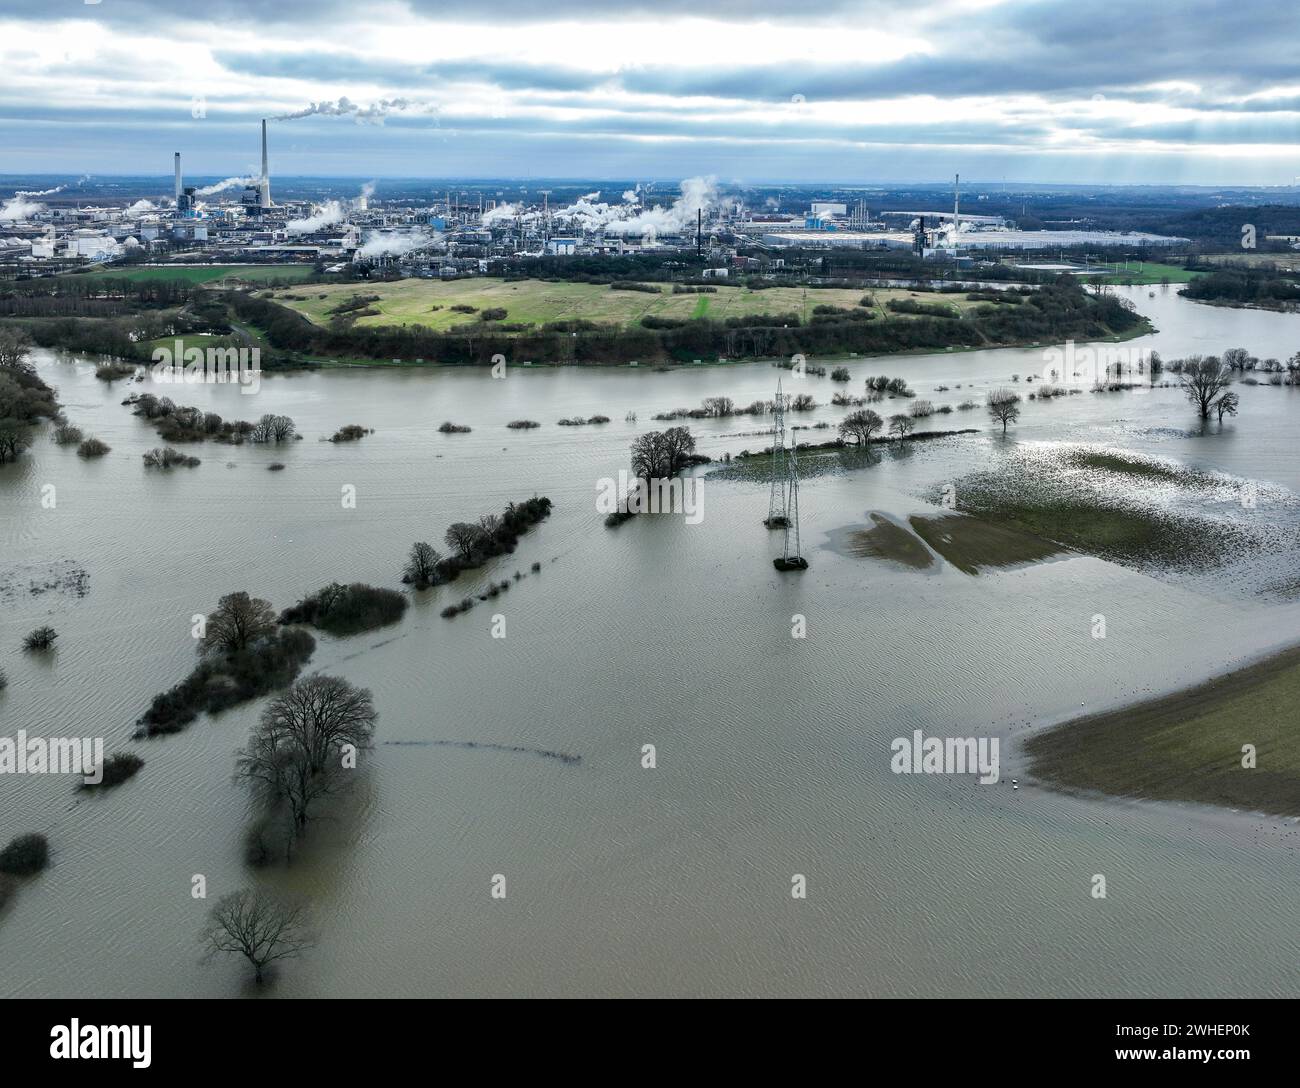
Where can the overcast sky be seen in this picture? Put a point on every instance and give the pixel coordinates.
(1166, 91)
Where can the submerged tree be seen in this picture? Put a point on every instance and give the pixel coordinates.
(304, 747)
(239, 621)
(273, 428)
(12, 440)
(658, 455)
(1203, 378)
(422, 565)
(901, 425)
(1226, 405)
(1004, 407)
(861, 425)
(463, 537)
(261, 927)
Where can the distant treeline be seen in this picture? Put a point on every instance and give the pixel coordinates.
(1258, 286)
(1222, 227)
(1059, 311)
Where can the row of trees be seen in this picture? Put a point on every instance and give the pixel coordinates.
(243, 654)
(472, 544)
(189, 424)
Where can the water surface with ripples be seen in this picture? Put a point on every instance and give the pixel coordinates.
(773, 752)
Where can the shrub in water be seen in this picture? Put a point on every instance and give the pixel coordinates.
(25, 855)
(40, 639)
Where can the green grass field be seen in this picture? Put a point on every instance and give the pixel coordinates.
(534, 302)
(271, 273)
(1188, 746)
(1146, 272)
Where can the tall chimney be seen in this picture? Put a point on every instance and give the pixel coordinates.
(956, 208)
(266, 174)
(699, 231)
(178, 179)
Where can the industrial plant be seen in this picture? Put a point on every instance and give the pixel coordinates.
(458, 233)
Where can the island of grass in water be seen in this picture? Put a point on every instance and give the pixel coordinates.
(966, 543)
(1190, 746)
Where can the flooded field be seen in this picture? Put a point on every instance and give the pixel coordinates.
(772, 751)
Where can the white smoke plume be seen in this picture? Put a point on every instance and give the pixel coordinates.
(698, 194)
(631, 196)
(141, 206)
(20, 208)
(322, 215)
(949, 235)
(222, 186)
(345, 107)
(362, 200)
(392, 244)
(499, 213)
(40, 192)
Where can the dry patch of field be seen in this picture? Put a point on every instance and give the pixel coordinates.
(429, 303)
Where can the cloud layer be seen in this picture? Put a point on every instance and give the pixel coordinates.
(1194, 91)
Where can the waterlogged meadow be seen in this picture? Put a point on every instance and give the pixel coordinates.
(605, 780)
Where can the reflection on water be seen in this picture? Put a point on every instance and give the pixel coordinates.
(772, 752)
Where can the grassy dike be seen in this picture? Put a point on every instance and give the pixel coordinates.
(1188, 746)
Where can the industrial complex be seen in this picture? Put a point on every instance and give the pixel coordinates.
(457, 234)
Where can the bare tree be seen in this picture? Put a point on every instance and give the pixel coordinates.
(298, 753)
(649, 456)
(1203, 379)
(678, 445)
(861, 425)
(658, 455)
(1004, 407)
(422, 565)
(321, 714)
(273, 428)
(1226, 405)
(261, 927)
(1236, 359)
(463, 537)
(901, 425)
(238, 622)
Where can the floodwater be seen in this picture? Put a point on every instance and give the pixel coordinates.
(772, 752)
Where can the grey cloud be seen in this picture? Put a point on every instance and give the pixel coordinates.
(350, 66)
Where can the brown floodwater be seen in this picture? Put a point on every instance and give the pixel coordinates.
(773, 752)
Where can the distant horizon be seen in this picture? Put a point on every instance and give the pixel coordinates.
(165, 180)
